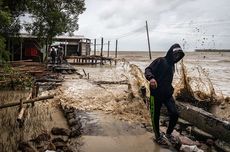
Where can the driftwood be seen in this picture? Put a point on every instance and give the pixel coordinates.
(48, 80)
(49, 84)
(27, 101)
(112, 82)
(22, 110)
(205, 121)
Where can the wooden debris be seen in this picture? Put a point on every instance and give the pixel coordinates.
(125, 82)
(200, 135)
(20, 118)
(48, 80)
(205, 121)
(222, 146)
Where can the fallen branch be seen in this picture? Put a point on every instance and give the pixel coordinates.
(27, 101)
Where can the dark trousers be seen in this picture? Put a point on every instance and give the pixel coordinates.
(53, 59)
(173, 114)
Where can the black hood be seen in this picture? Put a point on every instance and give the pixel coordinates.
(174, 54)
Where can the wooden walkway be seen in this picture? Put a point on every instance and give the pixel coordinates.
(86, 60)
(62, 68)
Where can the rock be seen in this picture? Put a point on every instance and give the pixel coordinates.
(64, 72)
(62, 138)
(51, 146)
(222, 107)
(75, 133)
(1, 145)
(74, 121)
(59, 139)
(200, 135)
(60, 131)
(210, 142)
(60, 145)
(42, 137)
(26, 147)
(70, 116)
(68, 110)
(68, 149)
(41, 149)
(227, 99)
(187, 148)
(222, 145)
(204, 147)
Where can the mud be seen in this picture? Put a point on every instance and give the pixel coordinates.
(103, 132)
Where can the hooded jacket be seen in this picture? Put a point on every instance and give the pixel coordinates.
(162, 70)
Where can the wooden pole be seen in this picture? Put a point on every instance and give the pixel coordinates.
(27, 101)
(21, 104)
(95, 46)
(21, 49)
(65, 52)
(147, 30)
(12, 50)
(102, 46)
(116, 49)
(88, 46)
(108, 48)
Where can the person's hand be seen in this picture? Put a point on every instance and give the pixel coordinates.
(153, 83)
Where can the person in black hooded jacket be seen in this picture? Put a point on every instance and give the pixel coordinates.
(160, 75)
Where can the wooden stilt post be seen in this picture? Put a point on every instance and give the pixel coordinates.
(21, 49)
(116, 49)
(147, 31)
(102, 46)
(95, 46)
(108, 48)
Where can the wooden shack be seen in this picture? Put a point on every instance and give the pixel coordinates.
(74, 46)
(26, 46)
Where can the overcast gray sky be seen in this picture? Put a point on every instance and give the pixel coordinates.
(192, 23)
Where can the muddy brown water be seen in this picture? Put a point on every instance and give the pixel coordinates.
(111, 122)
(104, 133)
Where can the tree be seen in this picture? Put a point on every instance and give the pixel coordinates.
(49, 18)
(54, 17)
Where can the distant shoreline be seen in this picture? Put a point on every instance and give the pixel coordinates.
(212, 50)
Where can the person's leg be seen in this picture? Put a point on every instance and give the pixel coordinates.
(155, 107)
(53, 59)
(173, 114)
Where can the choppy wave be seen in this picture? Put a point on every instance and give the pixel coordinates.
(224, 61)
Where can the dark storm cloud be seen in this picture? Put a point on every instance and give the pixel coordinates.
(169, 21)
